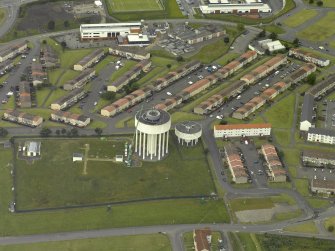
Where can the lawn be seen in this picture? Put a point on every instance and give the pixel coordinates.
(326, 3)
(287, 215)
(106, 181)
(3, 15)
(153, 242)
(282, 136)
(170, 10)
(270, 242)
(274, 28)
(280, 114)
(300, 17)
(189, 244)
(320, 30)
(308, 227)
(211, 52)
(330, 222)
(127, 66)
(302, 186)
(130, 5)
(225, 59)
(318, 203)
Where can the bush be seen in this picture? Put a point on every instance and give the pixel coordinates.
(319, 3)
(330, 228)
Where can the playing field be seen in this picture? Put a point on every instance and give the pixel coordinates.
(131, 5)
(56, 181)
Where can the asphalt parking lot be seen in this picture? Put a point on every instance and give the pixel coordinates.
(254, 163)
(316, 173)
(330, 115)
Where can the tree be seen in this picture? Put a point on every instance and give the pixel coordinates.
(44, 41)
(311, 1)
(273, 36)
(57, 132)
(226, 40)
(45, 132)
(240, 27)
(98, 131)
(262, 33)
(74, 132)
(51, 25)
(223, 122)
(108, 95)
(63, 44)
(311, 79)
(319, 3)
(296, 42)
(180, 59)
(330, 228)
(63, 131)
(3, 132)
(66, 24)
(168, 66)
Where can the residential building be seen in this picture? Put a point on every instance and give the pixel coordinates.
(275, 169)
(318, 158)
(251, 7)
(89, 60)
(108, 30)
(22, 118)
(133, 40)
(220, 98)
(6, 66)
(300, 73)
(235, 164)
(79, 81)
(173, 76)
(321, 135)
(240, 130)
(70, 118)
(308, 57)
(130, 75)
(12, 50)
(264, 69)
(308, 114)
(202, 239)
(24, 95)
(324, 87)
(130, 52)
(39, 76)
(77, 157)
(69, 100)
(323, 186)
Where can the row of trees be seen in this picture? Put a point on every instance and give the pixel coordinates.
(73, 132)
(318, 3)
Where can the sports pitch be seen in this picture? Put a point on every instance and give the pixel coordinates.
(131, 5)
(55, 181)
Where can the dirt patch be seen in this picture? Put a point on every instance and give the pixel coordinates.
(261, 215)
(37, 16)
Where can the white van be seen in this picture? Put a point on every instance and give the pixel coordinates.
(169, 93)
(238, 97)
(190, 82)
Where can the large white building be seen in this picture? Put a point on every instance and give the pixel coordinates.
(240, 130)
(108, 30)
(152, 134)
(235, 7)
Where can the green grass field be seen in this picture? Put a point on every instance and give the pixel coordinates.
(3, 15)
(300, 18)
(308, 227)
(130, 5)
(321, 30)
(153, 242)
(106, 181)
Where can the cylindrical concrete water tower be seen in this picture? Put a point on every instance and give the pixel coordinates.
(188, 132)
(152, 134)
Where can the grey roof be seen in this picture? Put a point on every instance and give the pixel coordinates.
(319, 154)
(307, 108)
(322, 131)
(189, 127)
(34, 147)
(153, 117)
(330, 80)
(80, 155)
